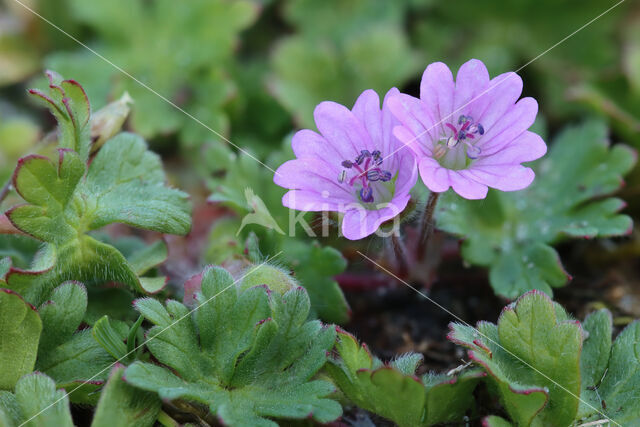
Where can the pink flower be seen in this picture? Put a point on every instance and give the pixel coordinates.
(470, 134)
(354, 166)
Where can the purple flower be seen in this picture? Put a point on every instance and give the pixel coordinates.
(470, 134)
(354, 166)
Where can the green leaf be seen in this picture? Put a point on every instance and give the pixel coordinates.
(383, 390)
(109, 338)
(532, 357)
(246, 354)
(359, 45)
(21, 327)
(69, 103)
(123, 405)
(72, 357)
(315, 267)
(511, 232)
(198, 82)
(20, 250)
(63, 207)
(36, 403)
(134, 192)
(449, 397)
(611, 372)
(596, 350)
(394, 392)
(62, 314)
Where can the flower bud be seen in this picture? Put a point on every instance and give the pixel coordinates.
(107, 121)
(275, 278)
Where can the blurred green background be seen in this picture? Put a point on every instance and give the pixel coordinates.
(253, 70)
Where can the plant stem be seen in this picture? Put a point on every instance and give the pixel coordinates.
(426, 223)
(166, 420)
(400, 252)
(5, 190)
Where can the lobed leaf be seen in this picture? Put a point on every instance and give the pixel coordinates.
(611, 372)
(35, 403)
(247, 354)
(69, 103)
(393, 391)
(532, 357)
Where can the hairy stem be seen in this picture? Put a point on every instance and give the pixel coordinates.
(427, 223)
(5, 190)
(400, 252)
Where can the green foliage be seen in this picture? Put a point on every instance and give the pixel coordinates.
(341, 49)
(183, 62)
(72, 357)
(66, 199)
(394, 391)
(610, 372)
(123, 405)
(248, 354)
(315, 267)
(532, 358)
(69, 103)
(21, 327)
(35, 403)
(511, 232)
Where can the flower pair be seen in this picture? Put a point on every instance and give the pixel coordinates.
(468, 134)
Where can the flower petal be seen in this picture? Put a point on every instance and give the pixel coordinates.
(434, 176)
(311, 201)
(342, 129)
(436, 91)
(466, 186)
(311, 174)
(500, 177)
(517, 120)
(367, 109)
(471, 83)
(307, 143)
(500, 95)
(360, 223)
(413, 115)
(527, 147)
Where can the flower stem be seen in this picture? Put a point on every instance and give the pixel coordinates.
(401, 255)
(5, 190)
(426, 223)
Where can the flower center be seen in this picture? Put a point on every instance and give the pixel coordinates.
(450, 150)
(367, 170)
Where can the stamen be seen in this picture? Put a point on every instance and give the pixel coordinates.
(364, 174)
(439, 151)
(468, 130)
(373, 174)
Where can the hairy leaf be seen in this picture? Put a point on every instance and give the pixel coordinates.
(611, 372)
(123, 405)
(35, 403)
(532, 357)
(69, 103)
(393, 391)
(63, 206)
(249, 355)
(20, 328)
